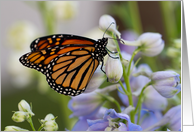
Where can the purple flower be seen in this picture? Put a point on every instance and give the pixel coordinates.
(148, 118)
(109, 122)
(85, 104)
(153, 100)
(151, 43)
(172, 119)
(166, 83)
(82, 124)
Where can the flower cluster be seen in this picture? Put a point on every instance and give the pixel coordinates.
(25, 113)
(143, 92)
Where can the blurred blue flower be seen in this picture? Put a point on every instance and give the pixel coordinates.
(166, 83)
(153, 100)
(86, 104)
(109, 122)
(148, 118)
(82, 124)
(151, 43)
(172, 120)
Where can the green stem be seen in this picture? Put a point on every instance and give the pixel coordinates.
(124, 89)
(133, 55)
(126, 79)
(31, 123)
(40, 128)
(140, 100)
(168, 14)
(129, 95)
(135, 17)
(139, 113)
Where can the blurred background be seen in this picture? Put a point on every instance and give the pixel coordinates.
(22, 22)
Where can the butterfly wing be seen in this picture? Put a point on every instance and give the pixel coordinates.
(60, 40)
(68, 66)
(70, 73)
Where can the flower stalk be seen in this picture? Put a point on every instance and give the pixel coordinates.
(140, 101)
(126, 79)
(31, 122)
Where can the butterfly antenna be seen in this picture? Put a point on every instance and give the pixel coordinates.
(108, 28)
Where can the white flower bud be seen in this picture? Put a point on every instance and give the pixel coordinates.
(25, 107)
(49, 117)
(14, 128)
(50, 125)
(151, 43)
(106, 21)
(114, 70)
(19, 116)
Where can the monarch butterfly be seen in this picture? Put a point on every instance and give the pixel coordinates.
(68, 61)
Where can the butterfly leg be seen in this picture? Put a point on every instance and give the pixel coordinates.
(113, 57)
(102, 66)
(103, 70)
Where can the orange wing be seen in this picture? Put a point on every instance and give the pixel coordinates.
(69, 74)
(40, 59)
(60, 40)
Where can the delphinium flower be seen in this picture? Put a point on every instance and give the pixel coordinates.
(113, 121)
(82, 124)
(167, 83)
(172, 120)
(88, 106)
(85, 104)
(108, 22)
(150, 44)
(113, 69)
(148, 118)
(153, 100)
